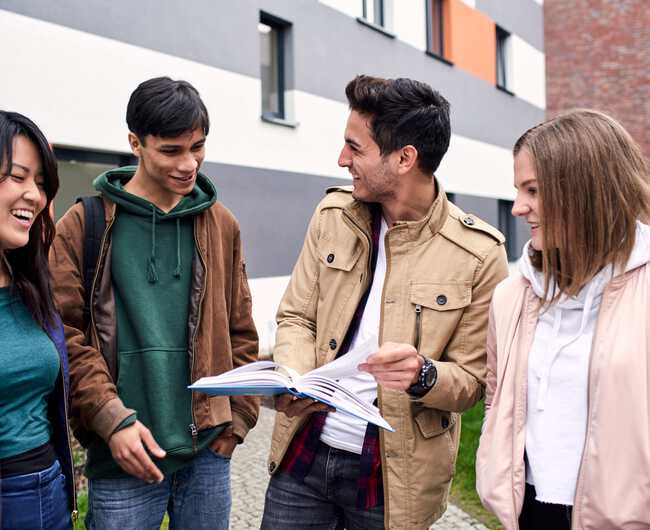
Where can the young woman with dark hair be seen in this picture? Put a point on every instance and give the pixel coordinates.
(36, 474)
(566, 438)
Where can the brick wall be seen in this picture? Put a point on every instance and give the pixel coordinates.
(598, 56)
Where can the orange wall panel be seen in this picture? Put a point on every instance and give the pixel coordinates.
(471, 40)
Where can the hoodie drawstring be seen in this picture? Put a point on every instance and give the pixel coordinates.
(152, 273)
(177, 272)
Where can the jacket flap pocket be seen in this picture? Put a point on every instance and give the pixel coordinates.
(341, 255)
(442, 296)
(433, 422)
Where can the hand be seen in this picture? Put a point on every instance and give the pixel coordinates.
(293, 406)
(225, 443)
(395, 366)
(129, 452)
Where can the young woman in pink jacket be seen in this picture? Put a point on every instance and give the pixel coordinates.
(566, 437)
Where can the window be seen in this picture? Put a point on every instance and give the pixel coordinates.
(374, 11)
(77, 170)
(435, 28)
(503, 53)
(451, 197)
(272, 62)
(508, 226)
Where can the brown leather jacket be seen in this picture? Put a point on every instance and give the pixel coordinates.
(440, 274)
(221, 328)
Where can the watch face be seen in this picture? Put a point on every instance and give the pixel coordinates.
(428, 378)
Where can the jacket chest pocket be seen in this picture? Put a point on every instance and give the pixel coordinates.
(338, 255)
(437, 308)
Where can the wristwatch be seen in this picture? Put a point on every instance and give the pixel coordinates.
(426, 379)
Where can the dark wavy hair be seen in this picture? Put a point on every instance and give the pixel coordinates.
(29, 264)
(403, 112)
(166, 107)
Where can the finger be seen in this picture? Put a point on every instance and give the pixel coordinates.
(151, 443)
(150, 469)
(132, 466)
(389, 356)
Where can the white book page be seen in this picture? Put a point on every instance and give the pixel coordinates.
(347, 364)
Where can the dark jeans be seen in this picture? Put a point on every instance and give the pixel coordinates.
(537, 515)
(326, 500)
(35, 501)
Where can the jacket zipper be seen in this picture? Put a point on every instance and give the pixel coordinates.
(584, 447)
(192, 427)
(418, 326)
(75, 512)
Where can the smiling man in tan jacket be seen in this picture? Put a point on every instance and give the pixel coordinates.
(388, 259)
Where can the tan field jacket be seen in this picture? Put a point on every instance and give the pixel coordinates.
(440, 275)
(220, 323)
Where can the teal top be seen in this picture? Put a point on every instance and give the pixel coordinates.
(151, 273)
(29, 366)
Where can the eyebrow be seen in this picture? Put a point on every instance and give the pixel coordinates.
(352, 142)
(24, 168)
(525, 183)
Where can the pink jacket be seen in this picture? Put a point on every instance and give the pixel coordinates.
(613, 489)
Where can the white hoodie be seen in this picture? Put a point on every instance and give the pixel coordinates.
(558, 374)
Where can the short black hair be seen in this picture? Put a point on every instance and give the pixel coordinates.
(29, 264)
(164, 107)
(403, 112)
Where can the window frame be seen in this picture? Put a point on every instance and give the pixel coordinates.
(508, 226)
(502, 58)
(279, 26)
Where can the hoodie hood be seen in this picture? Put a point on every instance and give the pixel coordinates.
(203, 195)
(587, 301)
(111, 183)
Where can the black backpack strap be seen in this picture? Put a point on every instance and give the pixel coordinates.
(95, 224)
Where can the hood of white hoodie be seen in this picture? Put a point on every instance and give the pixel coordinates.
(592, 291)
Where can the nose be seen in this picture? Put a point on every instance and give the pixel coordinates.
(31, 192)
(519, 207)
(188, 164)
(344, 157)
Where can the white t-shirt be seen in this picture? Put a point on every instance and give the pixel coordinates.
(343, 431)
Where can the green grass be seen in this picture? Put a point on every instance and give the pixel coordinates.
(463, 488)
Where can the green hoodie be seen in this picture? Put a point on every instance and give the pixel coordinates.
(151, 272)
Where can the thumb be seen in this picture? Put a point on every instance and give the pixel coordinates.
(151, 444)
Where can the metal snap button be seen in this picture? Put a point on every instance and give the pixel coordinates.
(333, 344)
(441, 299)
(444, 421)
(272, 467)
(330, 258)
(469, 220)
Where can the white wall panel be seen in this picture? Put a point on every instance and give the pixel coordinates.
(470, 3)
(349, 7)
(76, 86)
(528, 72)
(409, 22)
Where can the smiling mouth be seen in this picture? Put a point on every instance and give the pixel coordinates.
(23, 215)
(184, 179)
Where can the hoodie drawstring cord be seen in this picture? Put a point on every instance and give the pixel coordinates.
(177, 272)
(152, 273)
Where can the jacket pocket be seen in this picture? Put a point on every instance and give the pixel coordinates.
(432, 459)
(437, 308)
(339, 253)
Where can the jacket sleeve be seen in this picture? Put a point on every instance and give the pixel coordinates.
(94, 400)
(295, 342)
(244, 340)
(461, 369)
(491, 376)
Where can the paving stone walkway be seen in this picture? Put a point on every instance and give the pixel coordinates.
(249, 480)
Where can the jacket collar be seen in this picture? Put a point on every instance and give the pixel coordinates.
(424, 228)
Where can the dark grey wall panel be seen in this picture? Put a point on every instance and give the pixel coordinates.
(273, 209)
(329, 49)
(525, 18)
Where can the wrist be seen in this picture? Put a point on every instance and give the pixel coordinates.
(426, 379)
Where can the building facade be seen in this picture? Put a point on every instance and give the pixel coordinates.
(598, 56)
(272, 74)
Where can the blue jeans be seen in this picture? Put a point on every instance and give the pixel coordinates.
(326, 500)
(196, 496)
(35, 501)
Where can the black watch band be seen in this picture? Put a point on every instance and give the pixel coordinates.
(426, 379)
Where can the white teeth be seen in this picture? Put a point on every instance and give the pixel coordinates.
(23, 214)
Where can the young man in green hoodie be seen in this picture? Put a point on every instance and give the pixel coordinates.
(169, 304)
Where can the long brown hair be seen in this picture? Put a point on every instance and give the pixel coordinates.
(29, 264)
(593, 186)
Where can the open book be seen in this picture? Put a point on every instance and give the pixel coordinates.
(269, 378)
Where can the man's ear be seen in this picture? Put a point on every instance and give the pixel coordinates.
(136, 145)
(408, 158)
